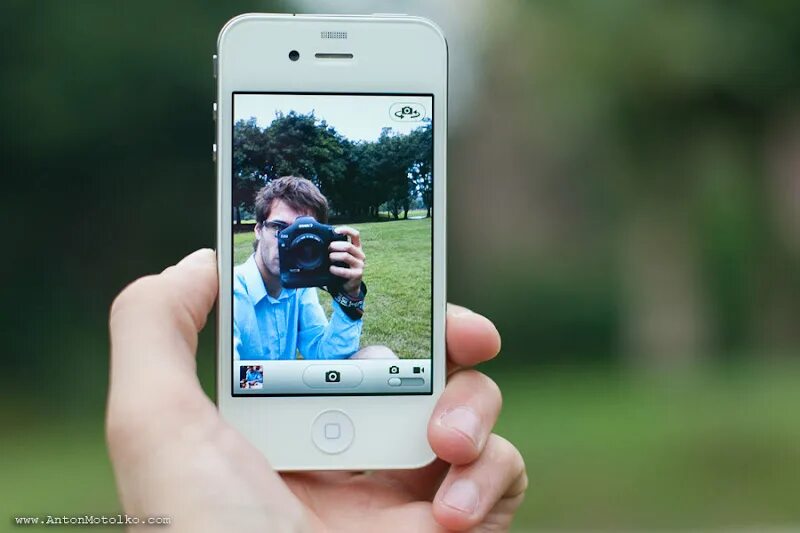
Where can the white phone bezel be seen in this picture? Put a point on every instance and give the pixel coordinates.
(390, 431)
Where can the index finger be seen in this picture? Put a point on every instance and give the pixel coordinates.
(355, 237)
(471, 338)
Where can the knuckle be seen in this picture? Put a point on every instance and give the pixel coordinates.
(126, 429)
(132, 427)
(139, 290)
(502, 451)
(482, 384)
(155, 295)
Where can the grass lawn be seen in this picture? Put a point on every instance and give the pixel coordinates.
(412, 213)
(398, 273)
(620, 452)
(604, 451)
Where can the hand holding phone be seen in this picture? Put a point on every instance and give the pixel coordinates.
(175, 457)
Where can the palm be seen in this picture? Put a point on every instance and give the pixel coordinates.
(360, 502)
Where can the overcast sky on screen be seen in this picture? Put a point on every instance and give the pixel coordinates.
(359, 118)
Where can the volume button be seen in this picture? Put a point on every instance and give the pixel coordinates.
(214, 111)
(214, 152)
(214, 62)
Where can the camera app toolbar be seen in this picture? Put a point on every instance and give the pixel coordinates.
(387, 376)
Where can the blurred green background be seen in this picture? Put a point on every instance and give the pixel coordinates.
(624, 193)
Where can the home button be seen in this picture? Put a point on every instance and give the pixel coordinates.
(332, 431)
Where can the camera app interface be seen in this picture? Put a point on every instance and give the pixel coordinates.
(332, 244)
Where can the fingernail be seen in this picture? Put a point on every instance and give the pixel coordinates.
(462, 495)
(457, 310)
(464, 420)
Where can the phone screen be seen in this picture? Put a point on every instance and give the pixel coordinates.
(332, 244)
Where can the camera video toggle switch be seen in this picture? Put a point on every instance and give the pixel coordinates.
(406, 382)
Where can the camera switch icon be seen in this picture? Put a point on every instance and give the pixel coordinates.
(407, 112)
(394, 369)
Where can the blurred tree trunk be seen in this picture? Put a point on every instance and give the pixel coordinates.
(665, 320)
(777, 322)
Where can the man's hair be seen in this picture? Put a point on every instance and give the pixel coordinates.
(298, 193)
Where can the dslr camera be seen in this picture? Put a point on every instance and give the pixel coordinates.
(303, 254)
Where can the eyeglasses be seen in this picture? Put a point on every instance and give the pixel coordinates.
(274, 226)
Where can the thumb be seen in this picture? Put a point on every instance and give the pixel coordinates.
(154, 324)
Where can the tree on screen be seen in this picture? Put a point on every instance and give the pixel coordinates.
(250, 164)
(357, 177)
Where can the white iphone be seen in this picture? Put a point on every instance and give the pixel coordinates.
(330, 154)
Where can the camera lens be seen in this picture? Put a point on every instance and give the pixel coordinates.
(294, 55)
(308, 251)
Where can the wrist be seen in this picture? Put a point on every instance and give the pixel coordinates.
(351, 304)
(353, 292)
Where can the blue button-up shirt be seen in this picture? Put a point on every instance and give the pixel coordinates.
(252, 375)
(278, 328)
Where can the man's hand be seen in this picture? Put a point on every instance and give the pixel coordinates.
(174, 455)
(351, 254)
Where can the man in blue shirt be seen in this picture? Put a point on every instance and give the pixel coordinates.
(272, 322)
(254, 375)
